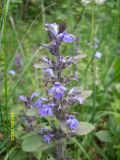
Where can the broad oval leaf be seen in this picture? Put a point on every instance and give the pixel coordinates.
(104, 136)
(83, 128)
(32, 142)
(15, 153)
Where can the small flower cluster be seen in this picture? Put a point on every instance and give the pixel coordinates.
(57, 34)
(46, 135)
(59, 96)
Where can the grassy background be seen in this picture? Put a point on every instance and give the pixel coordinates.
(21, 35)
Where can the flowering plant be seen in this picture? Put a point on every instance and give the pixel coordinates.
(59, 97)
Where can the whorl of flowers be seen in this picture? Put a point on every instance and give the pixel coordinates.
(59, 97)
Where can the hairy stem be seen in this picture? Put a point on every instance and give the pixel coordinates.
(60, 146)
(59, 70)
(60, 149)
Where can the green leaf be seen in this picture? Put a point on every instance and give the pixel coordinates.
(78, 57)
(85, 94)
(104, 136)
(83, 128)
(15, 153)
(31, 112)
(32, 142)
(38, 154)
(51, 158)
(42, 65)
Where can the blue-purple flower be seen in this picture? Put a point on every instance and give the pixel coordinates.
(72, 122)
(40, 102)
(34, 94)
(47, 138)
(62, 36)
(46, 110)
(57, 90)
(66, 37)
(53, 28)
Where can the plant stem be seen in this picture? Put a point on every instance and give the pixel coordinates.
(91, 43)
(58, 71)
(5, 74)
(60, 147)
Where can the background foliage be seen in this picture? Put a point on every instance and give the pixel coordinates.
(93, 25)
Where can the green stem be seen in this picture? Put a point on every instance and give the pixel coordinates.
(81, 148)
(43, 12)
(5, 73)
(94, 93)
(91, 42)
(93, 68)
(92, 24)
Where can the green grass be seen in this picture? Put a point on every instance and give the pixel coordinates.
(102, 76)
(4, 111)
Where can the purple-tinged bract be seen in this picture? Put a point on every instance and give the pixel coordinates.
(47, 138)
(78, 98)
(34, 94)
(48, 72)
(22, 98)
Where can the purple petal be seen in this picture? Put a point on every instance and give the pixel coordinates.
(72, 122)
(45, 110)
(47, 138)
(34, 94)
(53, 28)
(51, 91)
(69, 38)
(59, 94)
(40, 102)
(22, 98)
(48, 72)
(57, 90)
